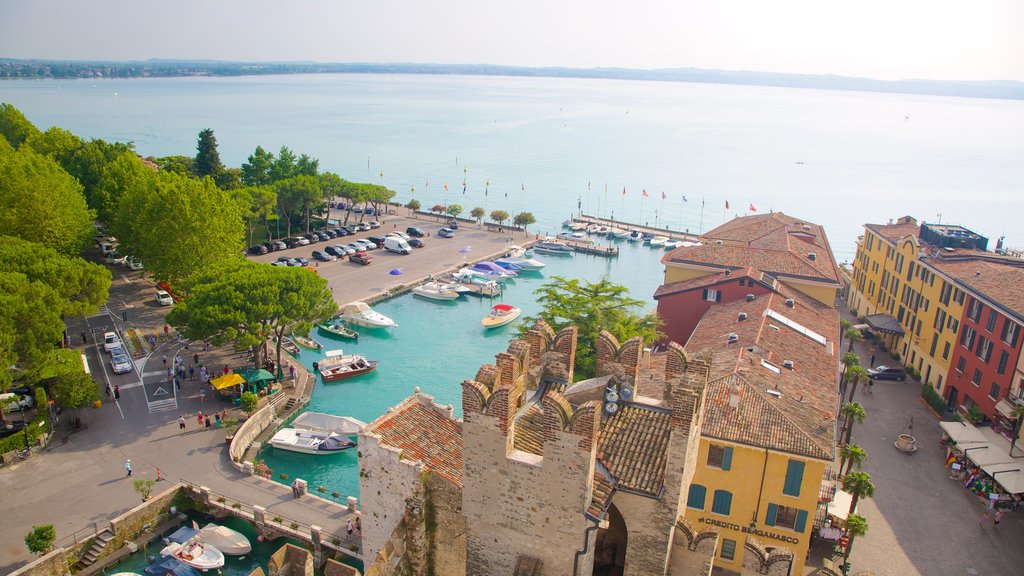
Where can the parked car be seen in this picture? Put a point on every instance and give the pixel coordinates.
(369, 210)
(288, 261)
(110, 341)
(330, 232)
(120, 362)
(414, 232)
(360, 258)
(453, 224)
(134, 263)
(13, 402)
(888, 373)
(323, 256)
(323, 236)
(279, 245)
(374, 224)
(302, 261)
(446, 233)
(258, 249)
(278, 263)
(294, 242)
(343, 231)
(312, 238)
(362, 227)
(114, 258)
(355, 247)
(337, 250)
(416, 243)
(397, 245)
(378, 240)
(163, 298)
(107, 248)
(365, 244)
(396, 234)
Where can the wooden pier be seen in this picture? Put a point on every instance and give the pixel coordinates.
(672, 234)
(591, 248)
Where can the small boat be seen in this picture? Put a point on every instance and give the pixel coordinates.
(186, 546)
(659, 240)
(647, 238)
(493, 269)
(577, 226)
(552, 246)
(515, 251)
(575, 236)
(348, 366)
(228, 541)
(673, 244)
(520, 263)
(309, 441)
(618, 233)
(476, 280)
(169, 566)
(435, 291)
(337, 329)
(306, 342)
(483, 275)
(290, 347)
(500, 315)
(360, 314)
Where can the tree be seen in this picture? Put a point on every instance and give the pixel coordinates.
(454, 210)
(592, 307)
(524, 219)
(478, 214)
(297, 195)
(144, 488)
(306, 166)
(72, 388)
(283, 167)
(256, 172)
(81, 286)
(852, 455)
(854, 336)
(859, 485)
(14, 126)
(438, 208)
(249, 402)
(331, 186)
(856, 526)
(854, 376)
(413, 205)
(853, 413)
(40, 540)
(246, 303)
(123, 173)
(175, 164)
(207, 161)
(850, 359)
(181, 226)
(30, 326)
(42, 202)
(844, 325)
(499, 216)
(256, 203)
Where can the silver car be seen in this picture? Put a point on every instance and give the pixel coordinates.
(120, 362)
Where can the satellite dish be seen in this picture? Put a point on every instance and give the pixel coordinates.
(611, 408)
(626, 393)
(611, 397)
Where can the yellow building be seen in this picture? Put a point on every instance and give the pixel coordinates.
(788, 249)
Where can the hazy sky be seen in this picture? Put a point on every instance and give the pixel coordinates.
(887, 39)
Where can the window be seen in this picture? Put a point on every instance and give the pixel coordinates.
(958, 296)
(960, 364)
(720, 457)
(1010, 333)
(794, 478)
(976, 379)
(991, 324)
(1004, 356)
(967, 337)
(993, 392)
(945, 352)
(984, 349)
(945, 292)
(697, 496)
(935, 343)
(722, 503)
(974, 310)
(728, 549)
(786, 517)
(712, 295)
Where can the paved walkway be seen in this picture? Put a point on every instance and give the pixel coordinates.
(920, 521)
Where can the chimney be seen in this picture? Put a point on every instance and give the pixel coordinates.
(812, 256)
(750, 297)
(787, 364)
(742, 316)
(733, 338)
(790, 303)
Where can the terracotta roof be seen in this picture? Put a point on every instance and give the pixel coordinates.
(705, 281)
(633, 446)
(602, 490)
(773, 333)
(424, 432)
(995, 279)
(896, 232)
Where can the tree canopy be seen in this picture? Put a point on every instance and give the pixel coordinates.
(30, 310)
(14, 126)
(81, 286)
(207, 162)
(499, 216)
(592, 307)
(524, 219)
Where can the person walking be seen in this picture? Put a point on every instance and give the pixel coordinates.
(117, 392)
(226, 370)
(165, 360)
(181, 424)
(997, 518)
(984, 519)
(84, 339)
(202, 395)
(872, 360)
(348, 527)
(295, 488)
(359, 525)
(200, 418)
(128, 467)
(291, 371)
(207, 420)
(191, 372)
(195, 358)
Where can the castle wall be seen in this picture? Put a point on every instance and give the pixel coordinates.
(386, 482)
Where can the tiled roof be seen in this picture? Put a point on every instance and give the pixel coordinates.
(895, 232)
(633, 447)
(529, 431)
(424, 432)
(802, 419)
(995, 279)
(601, 493)
(704, 281)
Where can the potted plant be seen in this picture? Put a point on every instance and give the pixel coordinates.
(230, 425)
(144, 487)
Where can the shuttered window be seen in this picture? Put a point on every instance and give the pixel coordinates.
(794, 478)
(697, 496)
(786, 517)
(722, 502)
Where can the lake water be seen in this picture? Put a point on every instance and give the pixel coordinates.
(836, 158)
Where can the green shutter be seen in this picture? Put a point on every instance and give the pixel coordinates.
(697, 496)
(722, 502)
(801, 520)
(769, 519)
(727, 458)
(794, 478)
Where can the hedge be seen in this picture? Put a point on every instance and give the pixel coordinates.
(933, 399)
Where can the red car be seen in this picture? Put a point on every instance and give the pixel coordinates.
(361, 258)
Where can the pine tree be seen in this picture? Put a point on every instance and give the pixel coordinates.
(207, 158)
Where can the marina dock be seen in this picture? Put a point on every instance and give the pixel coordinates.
(672, 234)
(591, 248)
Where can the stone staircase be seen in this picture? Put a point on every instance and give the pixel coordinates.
(94, 552)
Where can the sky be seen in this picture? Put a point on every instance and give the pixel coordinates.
(883, 39)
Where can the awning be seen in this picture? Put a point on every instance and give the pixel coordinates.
(1006, 409)
(840, 505)
(986, 456)
(961, 432)
(227, 381)
(252, 375)
(1011, 481)
(884, 323)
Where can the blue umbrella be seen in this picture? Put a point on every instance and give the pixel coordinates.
(395, 271)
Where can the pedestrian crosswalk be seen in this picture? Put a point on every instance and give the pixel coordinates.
(163, 405)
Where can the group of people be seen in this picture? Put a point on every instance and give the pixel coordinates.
(203, 420)
(983, 486)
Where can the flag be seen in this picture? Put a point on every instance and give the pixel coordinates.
(588, 184)
(506, 194)
(445, 186)
(726, 204)
(645, 193)
(664, 197)
(194, 525)
(381, 173)
(463, 187)
(752, 209)
(413, 189)
(623, 190)
(427, 184)
(522, 184)
(950, 460)
(684, 199)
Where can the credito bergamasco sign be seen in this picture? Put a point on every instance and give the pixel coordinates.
(749, 530)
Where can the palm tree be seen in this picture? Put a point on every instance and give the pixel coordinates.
(853, 335)
(852, 412)
(852, 455)
(855, 375)
(1018, 414)
(859, 485)
(844, 325)
(856, 526)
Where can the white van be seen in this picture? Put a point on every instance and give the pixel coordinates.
(397, 245)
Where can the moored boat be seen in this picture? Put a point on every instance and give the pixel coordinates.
(482, 275)
(337, 329)
(309, 441)
(349, 366)
(290, 347)
(521, 263)
(360, 314)
(186, 546)
(500, 315)
(673, 244)
(552, 246)
(493, 269)
(306, 342)
(435, 291)
(515, 251)
(618, 233)
(228, 541)
(659, 240)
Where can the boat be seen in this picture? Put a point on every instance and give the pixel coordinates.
(635, 236)
(290, 347)
(500, 315)
(673, 244)
(360, 314)
(577, 226)
(476, 280)
(551, 245)
(521, 263)
(337, 329)
(168, 565)
(321, 422)
(483, 275)
(351, 366)
(659, 240)
(515, 251)
(306, 342)
(186, 546)
(575, 236)
(435, 291)
(230, 542)
(493, 269)
(647, 238)
(310, 441)
(618, 233)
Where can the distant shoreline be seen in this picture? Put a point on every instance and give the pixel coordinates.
(68, 69)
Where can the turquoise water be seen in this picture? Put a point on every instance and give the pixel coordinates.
(436, 346)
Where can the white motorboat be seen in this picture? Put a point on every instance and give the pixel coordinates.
(360, 314)
(551, 245)
(577, 226)
(309, 441)
(659, 240)
(575, 236)
(500, 315)
(515, 251)
(673, 244)
(523, 263)
(481, 275)
(186, 546)
(321, 422)
(230, 542)
(476, 280)
(435, 291)
(618, 233)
